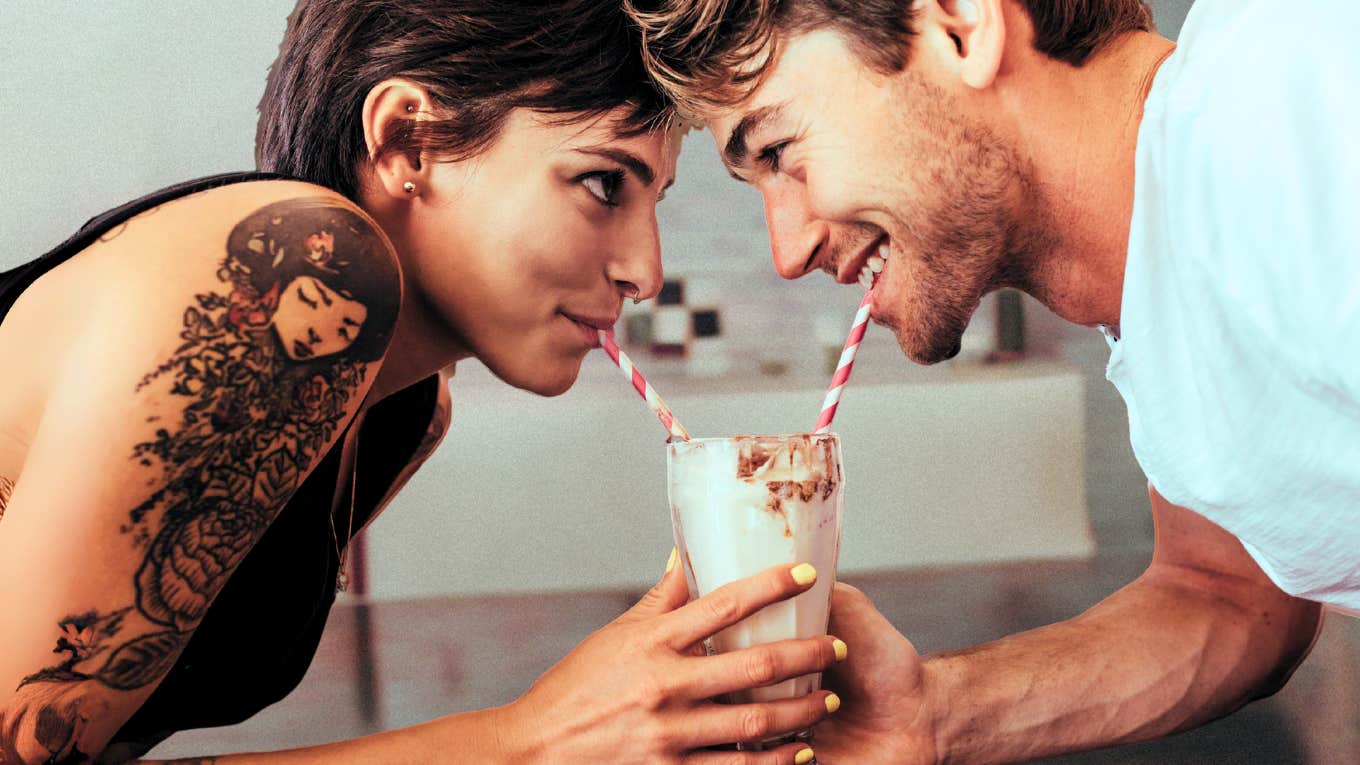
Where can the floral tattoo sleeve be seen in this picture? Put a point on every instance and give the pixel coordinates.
(266, 370)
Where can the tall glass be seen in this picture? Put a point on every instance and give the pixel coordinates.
(740, 505)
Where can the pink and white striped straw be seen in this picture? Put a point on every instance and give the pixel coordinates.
(847, 362)
(643, 387)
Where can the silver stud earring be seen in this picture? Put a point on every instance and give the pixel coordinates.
(409, 187)
(410, 108)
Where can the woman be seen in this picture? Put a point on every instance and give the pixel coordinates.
(222, 382)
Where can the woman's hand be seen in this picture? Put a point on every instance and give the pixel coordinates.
(640, 690)
(885, 717)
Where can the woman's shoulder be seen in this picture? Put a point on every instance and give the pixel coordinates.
(283, 265)
(206, 219)
(233, 240)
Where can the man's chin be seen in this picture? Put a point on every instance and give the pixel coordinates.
(931, 351)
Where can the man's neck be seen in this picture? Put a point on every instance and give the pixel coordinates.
(1081, 132)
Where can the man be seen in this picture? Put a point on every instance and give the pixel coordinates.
(1198, 204)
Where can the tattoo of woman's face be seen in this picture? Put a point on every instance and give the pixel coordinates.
(313, 320)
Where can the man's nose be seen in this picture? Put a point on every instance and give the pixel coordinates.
(796, 236)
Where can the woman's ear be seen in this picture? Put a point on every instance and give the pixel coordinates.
(978, 29)
(390, 108)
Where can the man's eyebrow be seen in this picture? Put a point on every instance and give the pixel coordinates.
(736, 151)
(628, 159)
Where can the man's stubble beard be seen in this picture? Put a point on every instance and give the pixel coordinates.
(965, 236)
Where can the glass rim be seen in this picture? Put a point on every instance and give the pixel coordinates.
(781, 437)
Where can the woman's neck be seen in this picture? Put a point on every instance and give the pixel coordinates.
(420, 347)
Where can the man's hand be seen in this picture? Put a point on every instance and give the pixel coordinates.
(884, 715)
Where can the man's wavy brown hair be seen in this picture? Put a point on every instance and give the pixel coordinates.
(710, 54)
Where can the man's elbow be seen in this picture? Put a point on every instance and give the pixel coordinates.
(1293, 628)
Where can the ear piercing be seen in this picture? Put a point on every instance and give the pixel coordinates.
(408, 187)
(410, 108)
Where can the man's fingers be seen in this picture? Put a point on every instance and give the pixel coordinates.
(853, 615)
(882, 660)
(733, 602)
(761, 665)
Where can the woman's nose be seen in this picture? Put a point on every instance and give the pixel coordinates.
(796, 236)
(636, 271)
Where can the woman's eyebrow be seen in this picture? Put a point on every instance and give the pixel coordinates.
(628, 159)
(302, 295)
(321, 291)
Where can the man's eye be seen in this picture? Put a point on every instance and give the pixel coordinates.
(770, 155)
(604, 185)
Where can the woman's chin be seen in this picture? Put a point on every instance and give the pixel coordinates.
(545, 378)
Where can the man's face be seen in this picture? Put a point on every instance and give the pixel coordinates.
(863, 173)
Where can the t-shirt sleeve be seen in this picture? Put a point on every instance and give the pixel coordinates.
(1241, 315)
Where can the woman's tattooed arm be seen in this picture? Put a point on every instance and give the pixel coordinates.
(268, 370)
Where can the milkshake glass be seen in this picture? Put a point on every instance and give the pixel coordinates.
(740, 505)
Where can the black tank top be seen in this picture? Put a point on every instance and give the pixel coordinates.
(256, 640)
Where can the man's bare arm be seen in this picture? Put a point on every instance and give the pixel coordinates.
(1202, 632)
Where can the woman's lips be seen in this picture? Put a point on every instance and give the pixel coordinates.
(590, 333)
(301, 350)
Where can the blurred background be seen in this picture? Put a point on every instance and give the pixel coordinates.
(989, 494)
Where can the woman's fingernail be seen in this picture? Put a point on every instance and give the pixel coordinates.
(803, 757)
(670, 563)
(842, 650)
(833, 702)
(804, 573)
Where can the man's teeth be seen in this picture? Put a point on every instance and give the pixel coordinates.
(873, 267)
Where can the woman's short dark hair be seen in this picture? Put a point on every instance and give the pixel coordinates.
(479, 59)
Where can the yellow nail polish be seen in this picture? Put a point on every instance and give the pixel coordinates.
(803, 757)
(842, 650)
(804, 573)
(670, 563)
(833, 702)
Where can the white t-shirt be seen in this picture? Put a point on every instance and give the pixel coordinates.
(1239, 340)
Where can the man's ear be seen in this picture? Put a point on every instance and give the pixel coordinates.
(978, 29)
(389, 107)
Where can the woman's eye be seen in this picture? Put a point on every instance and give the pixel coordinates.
(770, 155)
(604, 185)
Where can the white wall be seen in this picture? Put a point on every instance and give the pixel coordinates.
(104, 101)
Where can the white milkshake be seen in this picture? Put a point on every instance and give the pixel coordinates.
(740, 505)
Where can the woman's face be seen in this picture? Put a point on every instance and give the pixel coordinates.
(313, 320)
(526, 250)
